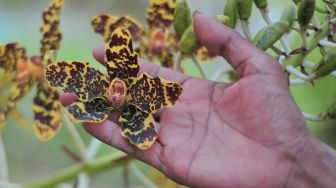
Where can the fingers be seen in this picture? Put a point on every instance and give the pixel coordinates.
(109, 133)
(145, 66)
(241, 54)
(67, 98)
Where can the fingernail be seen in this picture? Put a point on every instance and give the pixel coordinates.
(196, 12)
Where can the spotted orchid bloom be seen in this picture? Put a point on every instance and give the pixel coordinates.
(30, 72)
(136, 96)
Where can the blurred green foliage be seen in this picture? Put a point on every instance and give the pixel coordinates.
(31, 159)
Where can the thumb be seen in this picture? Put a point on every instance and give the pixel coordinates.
(241, 54)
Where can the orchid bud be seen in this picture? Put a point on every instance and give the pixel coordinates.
(296, 1)
(267, 36)
(244, 9)
(261, 3)
(182, 17)
(289, 15)
(327, 64)
(230, 10)
(189, 42)
(306, 9)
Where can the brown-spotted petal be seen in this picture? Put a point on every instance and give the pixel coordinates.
(95, 111)
(47, 112)
(77, 77)
(51, 34)
(19, 90)
(160, 13)
(151, 94)
(105, 24)
(138, 127)
(121, 60)
(10, 54)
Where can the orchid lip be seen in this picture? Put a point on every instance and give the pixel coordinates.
(117, 92)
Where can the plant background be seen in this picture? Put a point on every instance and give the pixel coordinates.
(30, 159)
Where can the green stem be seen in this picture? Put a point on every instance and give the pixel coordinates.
(222, 70)
(316, 21)
(199, 67)
(178, 60)
(315, 117)
(290, 69)
(91, 167)
(326, 43)
(83, 180)
(93, 147)
(265, 15)
(3, 161)
(141, 177)
(9, 184)
(304, 38)
(313, 41)
(126, 176)
(75, 137)
(246, 30)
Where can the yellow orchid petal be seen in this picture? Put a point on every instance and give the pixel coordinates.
(105, 24)
(9, 55)
(120, 59)
(47, 112)
(138, 127)
(51, 34)
(160, 13)
(151, 94)
(77, 77)
(96, 110)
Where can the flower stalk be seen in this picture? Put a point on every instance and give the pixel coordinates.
(140, 176)
(3, 161)
(246, 29)
(93, 166)
(199, 67)
(75, 137)
(315, 117)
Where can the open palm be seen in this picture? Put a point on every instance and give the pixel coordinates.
(223, 135)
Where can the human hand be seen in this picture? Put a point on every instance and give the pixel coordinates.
(244, 134)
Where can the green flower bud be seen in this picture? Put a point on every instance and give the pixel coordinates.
(244, 9)
(189, 42)
(296, 1)
(331, 113)
(327, 64)
(306, 9)
(267, 36)
(230, 10)
(261, 3)
(182, 17)
(289, 15)
(225, 20)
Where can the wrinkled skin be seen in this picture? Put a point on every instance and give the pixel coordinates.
(245, 134)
